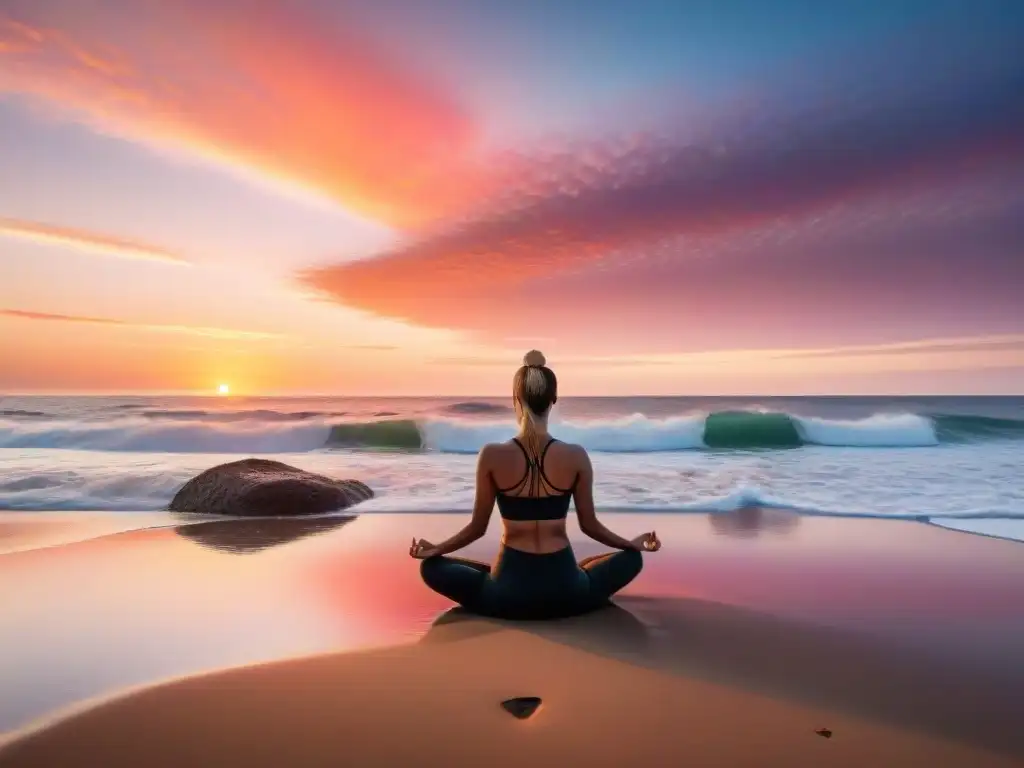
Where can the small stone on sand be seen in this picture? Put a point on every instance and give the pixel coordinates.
(521, 706)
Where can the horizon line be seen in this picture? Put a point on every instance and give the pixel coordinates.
(321, 395)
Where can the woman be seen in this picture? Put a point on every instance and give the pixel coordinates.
(533, 477)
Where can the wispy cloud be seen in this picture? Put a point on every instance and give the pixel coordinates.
(92, 242)
(289, 94)
(999, 343)
(510, 361)
(1007, 347)
(192, 330)
(373, 347)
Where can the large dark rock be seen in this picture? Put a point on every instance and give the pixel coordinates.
(265, 488)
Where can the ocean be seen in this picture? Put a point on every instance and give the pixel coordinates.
(952, 461)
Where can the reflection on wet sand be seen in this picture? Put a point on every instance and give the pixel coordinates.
(750, 522)
(247, 535)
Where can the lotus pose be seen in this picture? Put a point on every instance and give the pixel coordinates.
(533, 477)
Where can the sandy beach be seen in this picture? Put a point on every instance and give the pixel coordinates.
(313, 643)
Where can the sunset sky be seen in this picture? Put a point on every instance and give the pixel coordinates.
(396, 197)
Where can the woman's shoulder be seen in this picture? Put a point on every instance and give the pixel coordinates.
(496, 449)
(571, 450)
(566, 445)
(512, 446)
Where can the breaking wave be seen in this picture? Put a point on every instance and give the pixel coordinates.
(276, 432)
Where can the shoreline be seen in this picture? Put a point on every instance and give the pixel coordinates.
(31, 521)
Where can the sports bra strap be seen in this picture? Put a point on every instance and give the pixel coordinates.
(526, 454)
(535, 479)
(540, 462)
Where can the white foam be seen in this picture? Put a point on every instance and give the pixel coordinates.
(963, 487)
(1001, 528)
(878, 431)
(127, 489)
(739, 498)
(133, 434)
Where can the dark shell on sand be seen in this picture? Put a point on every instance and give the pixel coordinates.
(265, 488)
(521, 706)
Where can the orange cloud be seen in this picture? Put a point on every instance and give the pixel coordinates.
(286, 94)
(216, 333)
(87, 241)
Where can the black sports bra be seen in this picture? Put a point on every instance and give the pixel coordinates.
(536, 497)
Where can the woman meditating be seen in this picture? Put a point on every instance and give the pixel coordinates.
(533, 477)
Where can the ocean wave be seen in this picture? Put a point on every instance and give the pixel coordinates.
(107, 490)
(906, 430)
(17, 413)
(476, 407)
(158, 436)
(304, 431)
(228, 416)
(635, 434)
(391, 434)
(955, 428)
(718, 430)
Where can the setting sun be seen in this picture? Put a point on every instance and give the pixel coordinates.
(223, 389)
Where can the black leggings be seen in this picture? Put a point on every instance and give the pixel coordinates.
(524, 585)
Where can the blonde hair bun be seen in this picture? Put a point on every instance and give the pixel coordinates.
(534, 359)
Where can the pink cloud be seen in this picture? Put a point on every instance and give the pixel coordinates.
(285, 94)
(747, 220)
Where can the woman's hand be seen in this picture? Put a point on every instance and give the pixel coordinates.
(647, 542)
(421, 549)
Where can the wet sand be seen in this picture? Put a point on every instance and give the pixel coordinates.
(258, 642)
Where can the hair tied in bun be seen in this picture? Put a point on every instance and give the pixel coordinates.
(534, 359)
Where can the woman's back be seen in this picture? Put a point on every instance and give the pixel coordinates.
(532, 479)
(533, 485)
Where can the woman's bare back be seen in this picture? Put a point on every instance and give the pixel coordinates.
(532, 480)
(561, 467)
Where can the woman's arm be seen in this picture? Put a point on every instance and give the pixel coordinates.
(584, 498)
(483, 506)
